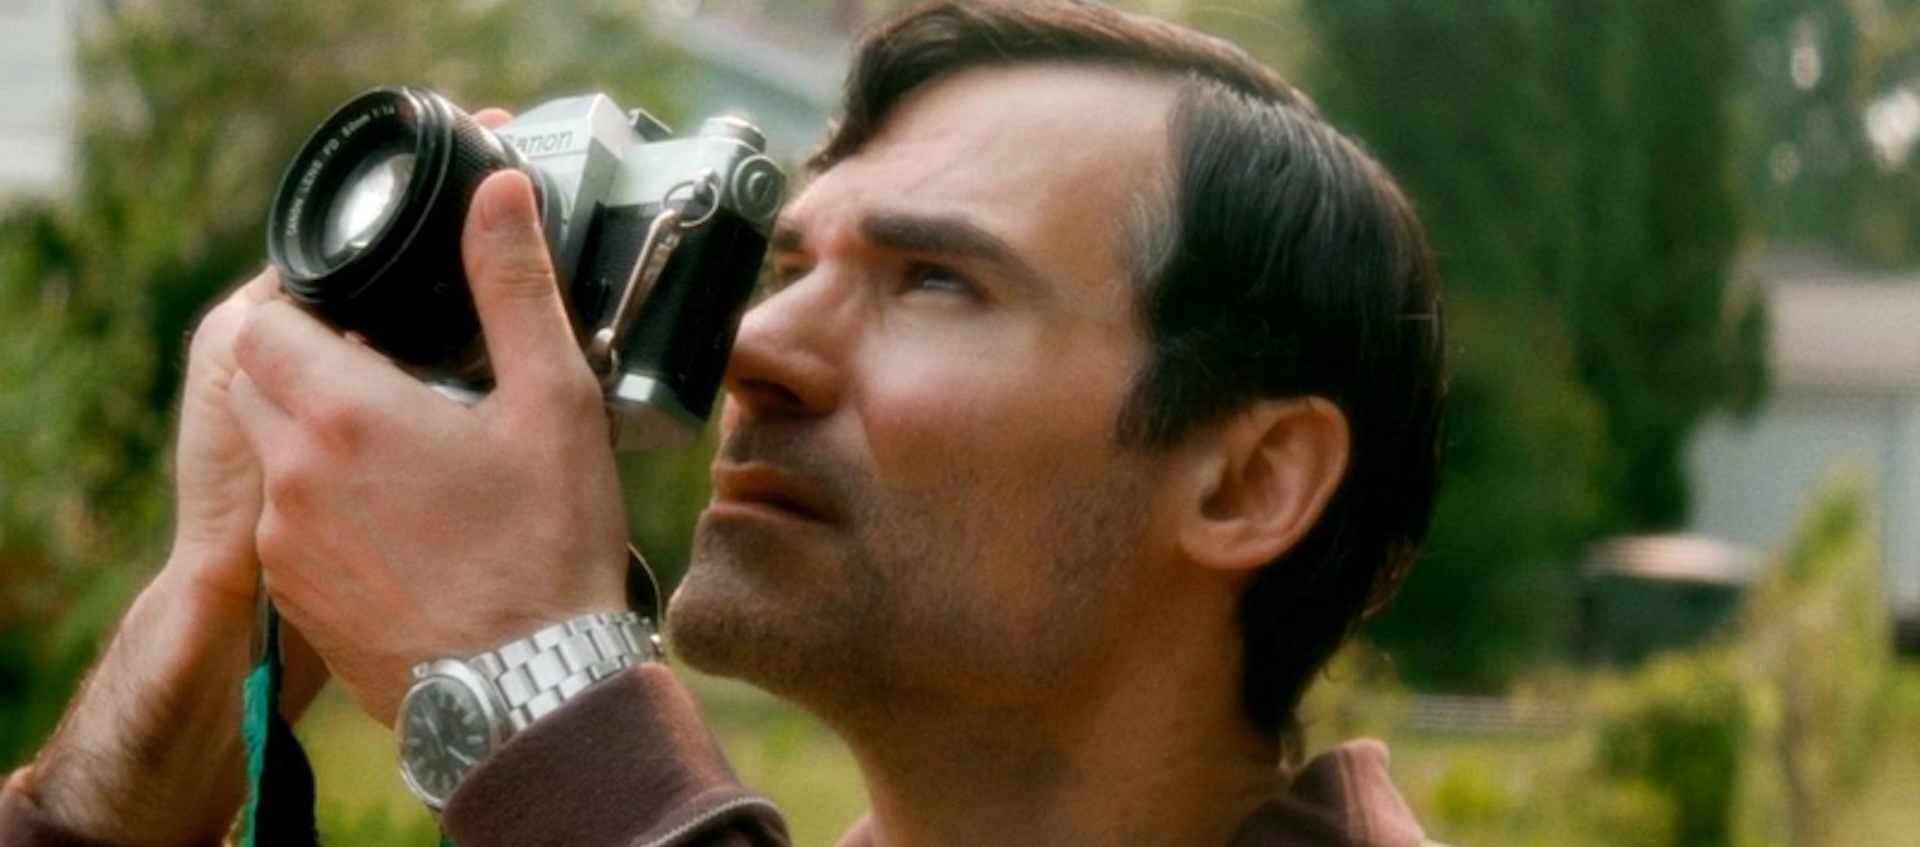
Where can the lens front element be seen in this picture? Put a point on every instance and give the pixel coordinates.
(363, 208)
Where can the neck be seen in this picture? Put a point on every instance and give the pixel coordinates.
(1137, 751)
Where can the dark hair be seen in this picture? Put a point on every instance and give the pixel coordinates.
(1284, 262)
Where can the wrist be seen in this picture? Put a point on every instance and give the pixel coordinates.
(459, 711)
(222, 580)
(148, 752)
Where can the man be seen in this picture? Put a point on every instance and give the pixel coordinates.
(1094, 402)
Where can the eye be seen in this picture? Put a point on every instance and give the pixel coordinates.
(939, 279)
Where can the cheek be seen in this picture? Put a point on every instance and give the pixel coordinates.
(979, 417)
(977, 458)
(989, 418)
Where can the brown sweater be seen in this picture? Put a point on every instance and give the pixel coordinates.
(631, 764)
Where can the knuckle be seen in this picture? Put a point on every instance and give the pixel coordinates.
(252, 328)
(231, 319)
(519, 269)
(562, 387)
(288, 488)
(337, 425)
(273, 540)
(295, 472)
(218, 330)
(574, 398)
(579, 391)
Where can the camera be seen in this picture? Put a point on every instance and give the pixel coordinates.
(656, 241)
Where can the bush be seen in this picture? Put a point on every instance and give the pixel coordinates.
(1817, 640)
(1678, 727)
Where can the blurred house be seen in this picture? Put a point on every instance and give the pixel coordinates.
(37, 90)
(1846, 370)
(777, 65)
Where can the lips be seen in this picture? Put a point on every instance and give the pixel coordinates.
(765, 487)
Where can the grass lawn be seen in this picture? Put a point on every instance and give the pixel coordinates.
(1469, 789)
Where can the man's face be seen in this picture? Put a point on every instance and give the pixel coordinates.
(919, 493)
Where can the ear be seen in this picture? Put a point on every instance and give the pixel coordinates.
(1264, 480)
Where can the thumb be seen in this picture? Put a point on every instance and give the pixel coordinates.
(528, 335)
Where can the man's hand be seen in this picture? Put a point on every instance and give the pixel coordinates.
(149, 751)
(216, 481)
(400, 526)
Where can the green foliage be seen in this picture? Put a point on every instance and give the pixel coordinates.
(1797, 702)
(188, 111)
(1795, 728)
(1811, 73)
(665, 494)
(1678, 728)
(1820, 649)
(359, 796)
(1521, 451)
(1573, 164)
(1471, 794)
(1657, 327)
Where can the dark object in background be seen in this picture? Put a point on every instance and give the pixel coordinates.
(1640, 595)
(1906, 633)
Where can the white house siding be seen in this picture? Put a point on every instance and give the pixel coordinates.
(36, 96)
(1846, 366)
(1754, 480)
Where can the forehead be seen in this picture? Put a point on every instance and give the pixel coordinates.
(1074, 112)
(1052, 158)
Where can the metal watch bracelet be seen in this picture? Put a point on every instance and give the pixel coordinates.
(536, 674)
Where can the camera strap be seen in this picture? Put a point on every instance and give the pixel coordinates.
(280, 793)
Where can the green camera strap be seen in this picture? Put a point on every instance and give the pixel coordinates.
(280, 788)
(280, 794)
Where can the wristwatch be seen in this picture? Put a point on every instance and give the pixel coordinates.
(460, 710)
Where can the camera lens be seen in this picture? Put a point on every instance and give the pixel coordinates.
(365, 228)
(372, 194)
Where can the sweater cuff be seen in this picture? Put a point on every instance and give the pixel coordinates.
(627, 762)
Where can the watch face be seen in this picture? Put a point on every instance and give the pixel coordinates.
(444, 733)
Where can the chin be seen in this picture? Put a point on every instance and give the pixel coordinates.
(736, 622)
(723, 623)
(706, 614)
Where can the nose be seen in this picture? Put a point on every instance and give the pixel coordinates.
(789, 357)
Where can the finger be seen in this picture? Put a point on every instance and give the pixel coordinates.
(263, 287)
(211, 339)
(312, 372)
(262, 422)
(529, 338)
(492, 118)
(290, 468)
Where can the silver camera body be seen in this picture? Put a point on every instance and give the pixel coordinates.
(610, 176)
(656, 241)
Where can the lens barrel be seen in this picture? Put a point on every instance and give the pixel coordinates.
(365, 227)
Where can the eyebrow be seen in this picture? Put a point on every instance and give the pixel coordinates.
(943, 235)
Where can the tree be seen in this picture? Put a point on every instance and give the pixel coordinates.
(1573, 162)
(1830, 90)
(189, 109)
